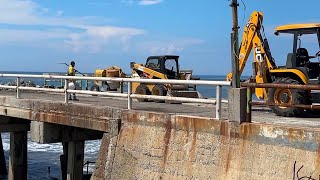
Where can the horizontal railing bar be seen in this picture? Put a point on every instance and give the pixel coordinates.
(98, 93)
(168, 98)
(282, 86)
(224, 101)
(41, 89)
(304, 106)
(154, 81)
(8, 87)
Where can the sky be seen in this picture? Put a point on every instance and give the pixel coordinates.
(37, 35)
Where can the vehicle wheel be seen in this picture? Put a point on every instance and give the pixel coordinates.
(95, 88)
(286, 96)
(142, 89)
(159, 90)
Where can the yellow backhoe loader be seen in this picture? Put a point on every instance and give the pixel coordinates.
(298, 69)
(162, 67)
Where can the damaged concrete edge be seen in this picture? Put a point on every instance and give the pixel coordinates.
(301, 138)
(101, 123)
(296, 137)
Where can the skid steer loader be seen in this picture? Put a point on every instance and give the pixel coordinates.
(162, 67)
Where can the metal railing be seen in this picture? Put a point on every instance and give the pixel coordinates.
(251, 86)
(46, 82)
(129, 95)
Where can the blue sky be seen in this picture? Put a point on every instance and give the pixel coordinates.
(36, 35)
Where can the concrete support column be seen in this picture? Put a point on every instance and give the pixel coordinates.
(237, 104)
(75, 160)
(18, 156)
(64, 160)
(3, 167)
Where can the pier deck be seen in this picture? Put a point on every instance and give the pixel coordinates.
(259, 114)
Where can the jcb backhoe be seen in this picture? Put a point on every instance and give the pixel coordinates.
(298, 68)
(162, 67)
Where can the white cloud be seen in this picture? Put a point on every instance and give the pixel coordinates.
(149, 2)
(88, 36)
(99, 3)
(141, 2)
(174, 46)
(59, 13)
(79, 34)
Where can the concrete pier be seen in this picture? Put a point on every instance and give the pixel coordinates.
(166, 144)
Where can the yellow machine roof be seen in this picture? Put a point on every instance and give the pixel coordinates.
(310, 28)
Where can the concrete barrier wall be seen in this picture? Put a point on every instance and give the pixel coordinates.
(160, 146)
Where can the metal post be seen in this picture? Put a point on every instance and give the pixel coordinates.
(129, 93)
(249, 105)
(235, 45)
(121, 87)
(18, 84)
(218, 102)
(66, 98)
(87, 84)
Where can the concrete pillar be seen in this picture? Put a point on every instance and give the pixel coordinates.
(3, 167)
(64, 161)
(237, 100)
(75, 160)
(18, 156)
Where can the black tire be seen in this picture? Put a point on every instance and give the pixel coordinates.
(143, 90)
(286, 96)
(159, 90)
(95, 88)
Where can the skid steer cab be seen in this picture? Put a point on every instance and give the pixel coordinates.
(162, 67)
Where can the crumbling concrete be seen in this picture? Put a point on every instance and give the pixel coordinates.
(160, 146)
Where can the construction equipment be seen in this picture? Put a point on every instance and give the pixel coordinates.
(112, 71)
(298, 68)
(162, 67)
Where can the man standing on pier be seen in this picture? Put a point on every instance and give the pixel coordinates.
(72, 83)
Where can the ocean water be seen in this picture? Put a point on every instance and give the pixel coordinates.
(42, 157)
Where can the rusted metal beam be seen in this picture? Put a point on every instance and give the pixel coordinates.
(305, 106)
(281, 86)
(235, 45)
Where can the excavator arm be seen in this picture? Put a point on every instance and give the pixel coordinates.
(253, 40)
